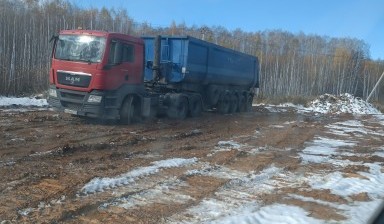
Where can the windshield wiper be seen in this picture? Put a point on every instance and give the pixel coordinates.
(86, 60)
(66, 59)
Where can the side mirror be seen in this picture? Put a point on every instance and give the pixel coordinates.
(54, 37)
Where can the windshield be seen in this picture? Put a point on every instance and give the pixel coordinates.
(80, 48)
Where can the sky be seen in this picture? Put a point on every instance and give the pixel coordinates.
(361, 19)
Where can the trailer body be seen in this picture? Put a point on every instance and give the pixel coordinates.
(190, 60)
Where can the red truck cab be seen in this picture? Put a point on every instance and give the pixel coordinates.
(94, 71)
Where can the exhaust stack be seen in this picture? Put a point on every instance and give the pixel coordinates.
(156, 58)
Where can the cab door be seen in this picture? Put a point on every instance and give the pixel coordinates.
(126, 63)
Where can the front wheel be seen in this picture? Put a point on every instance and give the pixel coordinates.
(130, 111)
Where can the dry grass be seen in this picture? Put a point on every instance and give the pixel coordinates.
(379, 106)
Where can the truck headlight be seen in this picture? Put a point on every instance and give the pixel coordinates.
(94, 99)
(52, 92)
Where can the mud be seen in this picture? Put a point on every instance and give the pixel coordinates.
(47, 157)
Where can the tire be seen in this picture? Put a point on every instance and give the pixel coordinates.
(234, 103)
(213, 94)
(224, 103)
(178, 109)
(241, 103)
(249, 103)
(195, 106)
(130, 111)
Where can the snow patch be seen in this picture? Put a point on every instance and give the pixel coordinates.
(370, 183)
(237, 197)
(165, 192)
(228, 145)
(216, 171)
(276, 126)
(272, 214)
(99, 184)
(352, 211)
(379, 153)
(225, 146)
(321, 149)
(26, 211)
(23, 101)
(348, 128)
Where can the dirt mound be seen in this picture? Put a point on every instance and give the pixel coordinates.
(345, 103)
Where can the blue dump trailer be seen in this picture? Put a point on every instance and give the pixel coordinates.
(206, 75)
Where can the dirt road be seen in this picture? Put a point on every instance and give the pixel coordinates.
(56, 168)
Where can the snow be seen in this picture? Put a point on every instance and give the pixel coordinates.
(370, 183)
(379, 153)
(326, 150)
(23, 101)
(228, 145)
(99, 184)
(225, 146)
(272, 214)
(327, 104)
(216, 171)
(159, 194)
(321, 149)
(235, 198)
(353, 211)
(345, 103)
(212, 212)
(26, 211)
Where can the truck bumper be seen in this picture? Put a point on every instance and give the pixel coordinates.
(96, 104)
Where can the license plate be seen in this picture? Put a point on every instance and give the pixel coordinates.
(70, 111)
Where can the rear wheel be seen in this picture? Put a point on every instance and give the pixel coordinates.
(234, 103)
(224, 103)
(249, 102)
(178, 109)
(195, 106)
(213, 94)
(130, 111)
(241, 103)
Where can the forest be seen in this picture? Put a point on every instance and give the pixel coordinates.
(291, 64)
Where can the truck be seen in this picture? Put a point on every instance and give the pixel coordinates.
(109, 75)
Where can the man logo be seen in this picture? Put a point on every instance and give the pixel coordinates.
(72, 80)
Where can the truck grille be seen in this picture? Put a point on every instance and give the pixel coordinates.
(73, 106)
(73, 96)
(73, 79)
